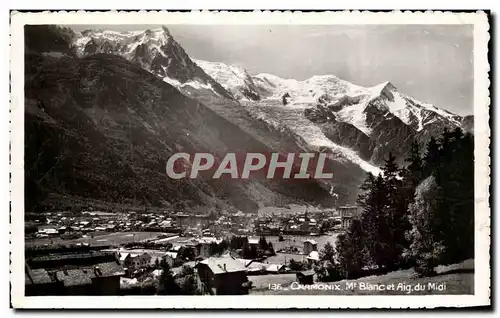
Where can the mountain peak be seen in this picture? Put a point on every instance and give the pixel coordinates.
(384, 88)
(154, 50)
(166, 31)
(233, 78)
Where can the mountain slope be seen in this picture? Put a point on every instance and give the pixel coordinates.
(154, 50)
(102, 128)
(233, 78)
(371, 121)
(199, 84)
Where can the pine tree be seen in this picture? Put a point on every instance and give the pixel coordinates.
(167, 284)
(270, 247)
(245, 250)
(365, 188)
(328, 269)
(456, 181)
(351, 250)
(374, 221)
(432, 157)
(263, 243)
(451, 163)
(189, 285)
(427, 247)
(415, 166)
(395, 214)
(327, 253)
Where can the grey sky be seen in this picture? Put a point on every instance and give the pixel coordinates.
(432, 63)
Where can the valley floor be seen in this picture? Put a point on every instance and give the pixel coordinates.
(456, 279)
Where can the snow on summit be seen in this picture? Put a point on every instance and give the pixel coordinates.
(354, 123)
(348, 102)
(154, 50)
(231, 77)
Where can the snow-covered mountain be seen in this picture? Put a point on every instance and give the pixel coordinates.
(159, 53)
(233, 78)
(357, 126)
(348, 102)
(373, 121)
(156, 51)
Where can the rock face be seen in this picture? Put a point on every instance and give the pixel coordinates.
(468, 123)
(233, 78)
(197, 81)
(372, 121)
(356, 126)
(155, 51)
(102, 128)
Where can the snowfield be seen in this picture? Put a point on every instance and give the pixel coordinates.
(277, 115)
(330, 97)
(233, 78)
(355, 100)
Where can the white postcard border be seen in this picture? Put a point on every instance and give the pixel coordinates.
(482, 159)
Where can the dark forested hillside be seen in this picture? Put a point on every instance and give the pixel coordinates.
(103, 128)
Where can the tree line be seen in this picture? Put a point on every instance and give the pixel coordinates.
(418, 215)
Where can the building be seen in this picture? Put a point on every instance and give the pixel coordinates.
(253, 267)
(190, 220)
(223, 275)
(309, 246)
(347, 213)
(172, 258)
(313, 257)
(134, 261)
(305, 277)
(203, 245)
(73, 272)
(253, 241)
(276, 269)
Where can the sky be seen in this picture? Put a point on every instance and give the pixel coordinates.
(431, 63)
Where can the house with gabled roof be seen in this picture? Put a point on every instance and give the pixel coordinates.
(223, 275)
(73, 273)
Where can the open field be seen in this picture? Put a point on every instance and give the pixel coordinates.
(457, 279)
(284, 258)
(116, 238)
(298, 241)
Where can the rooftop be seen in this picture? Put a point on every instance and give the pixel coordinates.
(221, 265)
(74, 276)
(314, 255)
(37, 276)
(306, 273)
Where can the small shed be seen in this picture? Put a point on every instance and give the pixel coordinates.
(305, 277)
(276, 268)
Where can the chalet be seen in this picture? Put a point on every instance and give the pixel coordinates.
(223, 275)
(255, 268)
(134, 261)
(48, 231)
(305, 277)
(276, 269)
(253, 241)
(347, 213)
(172, 258)
(203, 245)
(73, 273)
(309, 246)
(313, 257)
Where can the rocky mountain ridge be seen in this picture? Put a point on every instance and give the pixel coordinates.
(100, 127)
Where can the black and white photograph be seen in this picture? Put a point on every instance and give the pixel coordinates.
(163, 156)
